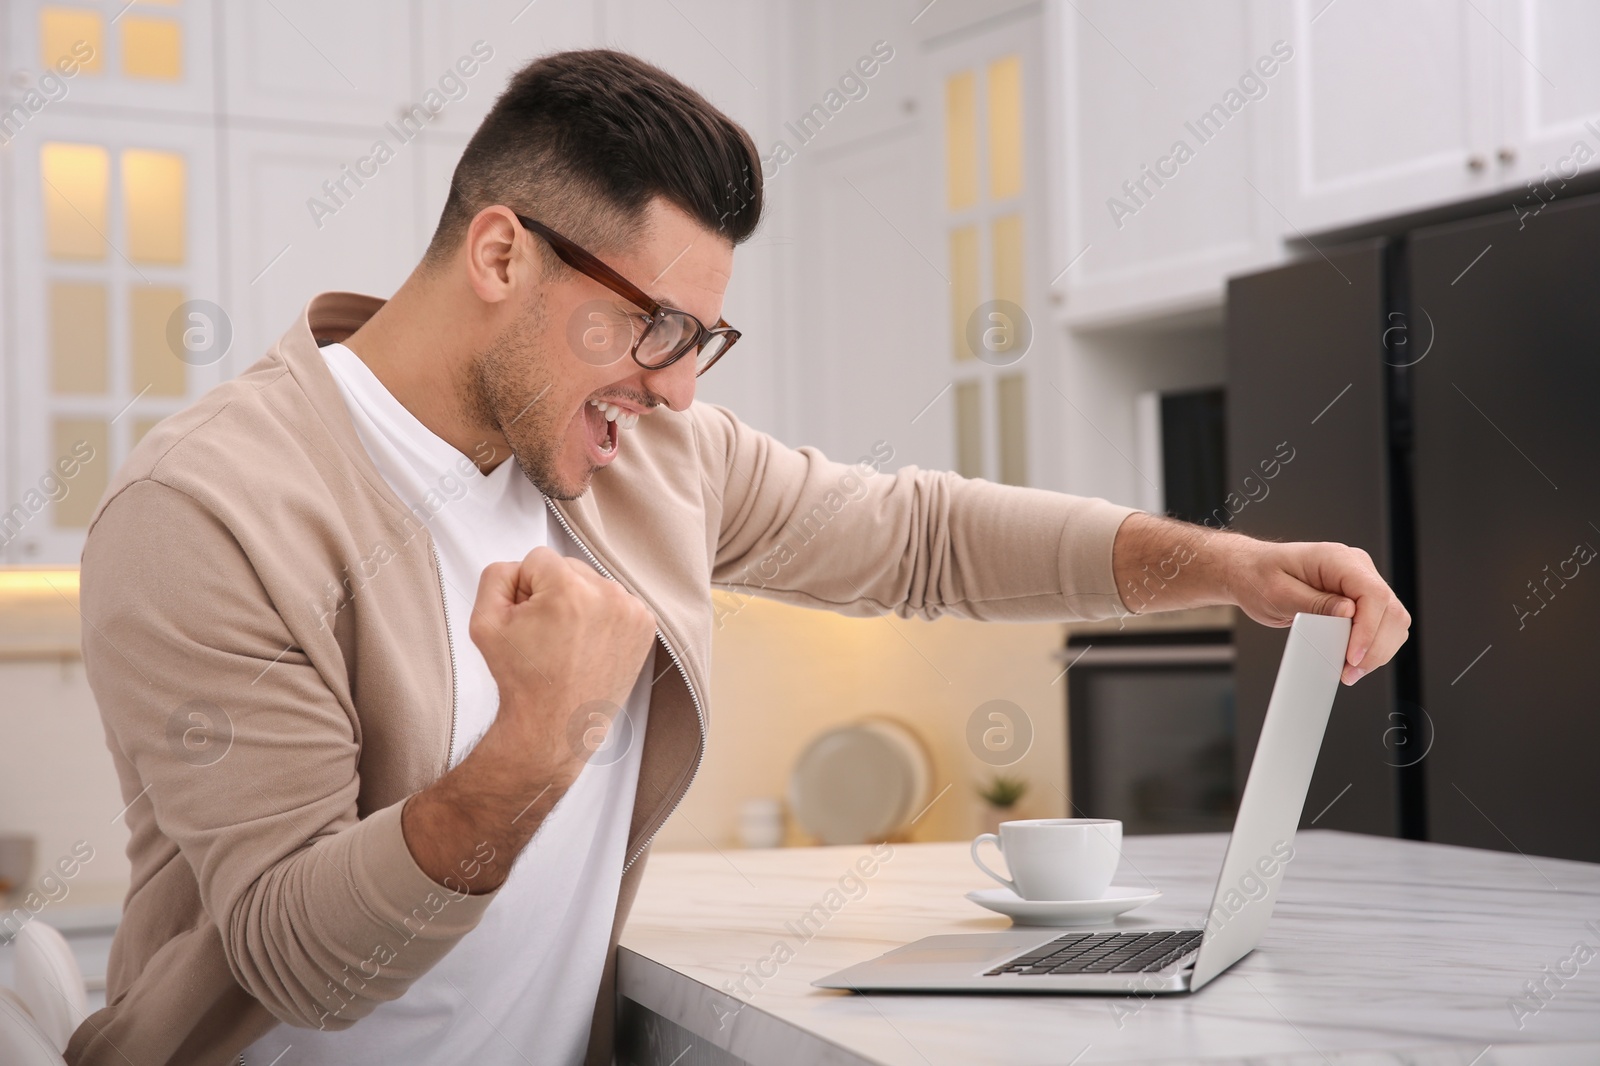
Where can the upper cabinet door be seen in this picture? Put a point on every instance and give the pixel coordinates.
(1395, 109)
(470, 48)
(301, 224)
(721, 48)
(348, 62)
(1162, 152)
(1551, 118)
(69, 56)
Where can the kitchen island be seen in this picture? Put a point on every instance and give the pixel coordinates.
(1380, 951)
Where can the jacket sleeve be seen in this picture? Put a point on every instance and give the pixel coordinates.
(797, 527)
(248, 762)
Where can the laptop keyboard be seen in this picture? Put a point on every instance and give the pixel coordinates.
(1104, 953)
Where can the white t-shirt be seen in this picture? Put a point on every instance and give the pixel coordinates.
(522, 985)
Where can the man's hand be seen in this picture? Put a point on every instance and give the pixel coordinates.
(556, 636)
(1163, 565)
(1273, 582)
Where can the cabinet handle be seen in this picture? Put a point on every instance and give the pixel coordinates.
(1476, 162)
(1506, 155)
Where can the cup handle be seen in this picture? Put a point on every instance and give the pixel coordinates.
(979, 839)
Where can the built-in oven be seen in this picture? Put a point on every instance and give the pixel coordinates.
(1150, 729)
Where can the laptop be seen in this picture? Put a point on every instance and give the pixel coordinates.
(1033, 959)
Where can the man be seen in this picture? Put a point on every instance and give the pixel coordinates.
(353, 663)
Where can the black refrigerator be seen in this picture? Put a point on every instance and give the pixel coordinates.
(1438, 389)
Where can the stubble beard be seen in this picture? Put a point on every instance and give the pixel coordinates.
(509, 389)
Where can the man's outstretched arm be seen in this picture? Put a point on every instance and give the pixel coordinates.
(1162, 564)
(856, 539)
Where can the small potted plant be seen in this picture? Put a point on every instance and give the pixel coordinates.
(1000, 794)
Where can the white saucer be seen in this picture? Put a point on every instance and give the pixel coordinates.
(1117, 900)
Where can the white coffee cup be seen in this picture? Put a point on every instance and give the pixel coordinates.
(1056, 859)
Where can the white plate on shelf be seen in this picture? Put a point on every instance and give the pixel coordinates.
(861, 782)
(1118, 899)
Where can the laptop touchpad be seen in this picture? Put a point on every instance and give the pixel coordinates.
(969, 948)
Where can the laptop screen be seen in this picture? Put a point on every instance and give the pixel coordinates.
(1262, 844)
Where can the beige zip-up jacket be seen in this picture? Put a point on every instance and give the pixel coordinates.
(266, 638)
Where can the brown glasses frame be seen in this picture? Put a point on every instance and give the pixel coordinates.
(586, 263)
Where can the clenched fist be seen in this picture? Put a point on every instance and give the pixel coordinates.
(557, 635)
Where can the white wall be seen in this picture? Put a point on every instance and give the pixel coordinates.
(782, 675)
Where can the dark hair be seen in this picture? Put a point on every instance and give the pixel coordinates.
(583, 141)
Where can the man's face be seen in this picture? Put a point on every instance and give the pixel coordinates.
(559, 384)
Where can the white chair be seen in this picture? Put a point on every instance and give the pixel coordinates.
(49, 982)
(22, 1042)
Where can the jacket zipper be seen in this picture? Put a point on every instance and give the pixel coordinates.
(694, 697)
(450, 644)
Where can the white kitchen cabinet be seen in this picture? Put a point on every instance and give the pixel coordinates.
(1403, 107)
(1374, 110)
(722, 48)
(455, 35)
(297, 60)
(1392, 109)
(104, 260)
(439, 153)
(1164, 181)
(874, 359)
(999, 351)
(1550, 124)
(893, 262)
(153, 57)
(291, 238)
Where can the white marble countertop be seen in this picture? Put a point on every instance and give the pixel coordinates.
(1379, 951)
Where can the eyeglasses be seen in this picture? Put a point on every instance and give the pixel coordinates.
(661, 335)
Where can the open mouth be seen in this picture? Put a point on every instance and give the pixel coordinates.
(605, 423)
